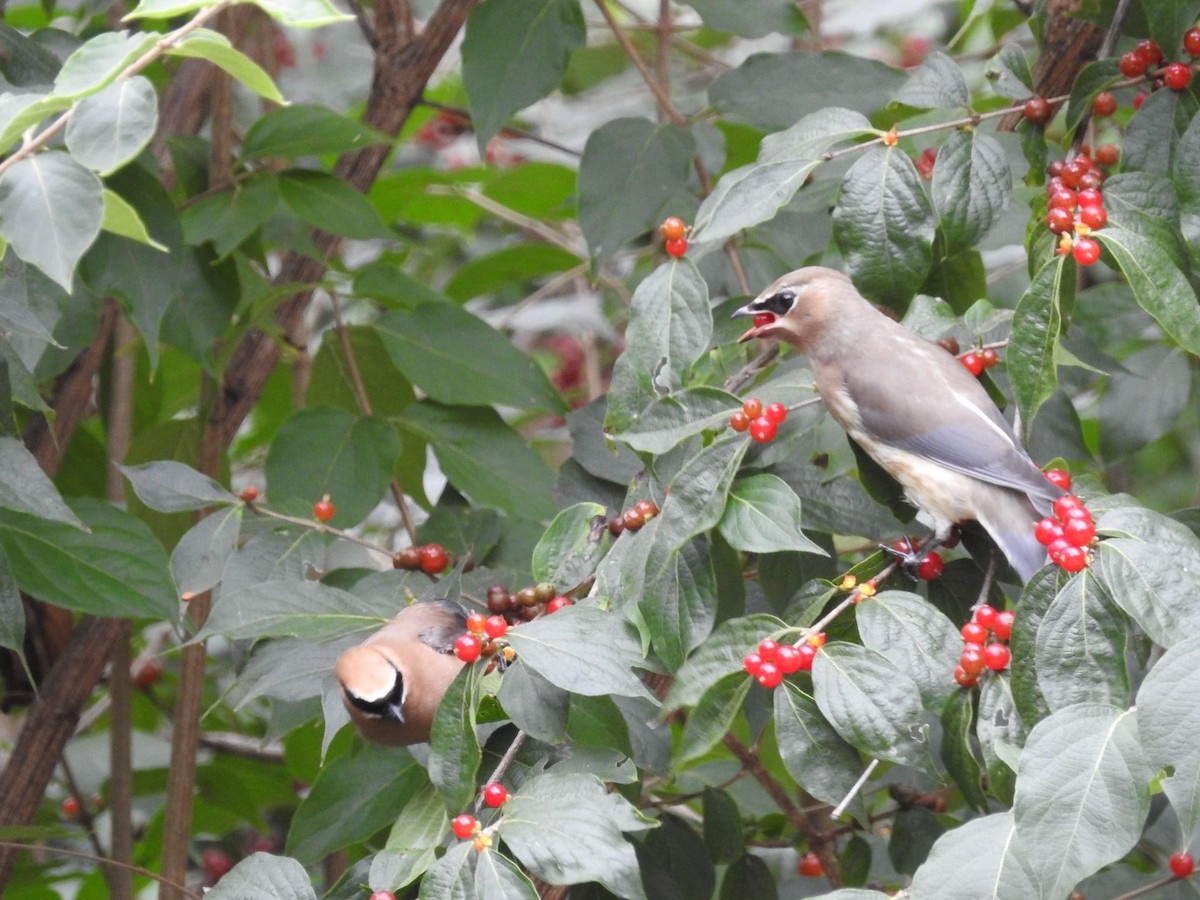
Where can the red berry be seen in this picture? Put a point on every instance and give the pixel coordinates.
(496, 626)
(323, 509)
(788, 659)
(984, 615)
(1177, 76)
(464, 826)
(973, 363)
(1065, 504)
(672, 228)
(752, 407)
(1063, 198)
(763, 318)
(1138, 99)
(676, 248)
(633, 519)
(989, 357)
(147, 673)
(558, 603)
(434, 559)
(1105, 104)
(1056, 548)
(776, 412)
(1059, 220)
(1181, 863)
(249, 493)
(476, 623)
(467, 648)
(216, 862)
(763, 430)
(71, 807)
(1191, 42)
(1090, 197)
(616, 525)
(1059, 478)
(1038, 110)
(1149, 51)
(971, 660)
(931, 566)
(382, 895)
(1055, 168)
(1004, 623)
(1131, 65)
(769, 675)
(810, 865)
(808, 653)
(752, 662)
(1079, 531)
(926, 161)
(739, 421)
(648, 509)
(1107, 154)
(964, 678)
(996, 657)
(974, 633)
(1073, 559)
(1047, 531)
(1086, 251)
(495, 794)
(768, 650)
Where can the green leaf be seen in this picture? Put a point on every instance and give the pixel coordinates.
(549, 806)
(329, 203)
(306, 130)
(937, 82)
(456, 357)
(302, 13)
(813, 752)
(723, 834)
(679, 602)
(713, 716)
(51, 209)
(762, 515)
(25, 487)
(1168, 21)
(750, 877)
(332, 383)
(754, 21)
(1160, 598)
(20, 112)
(872, 704)
(583, 650)
(569, 551)
(980, 858)
(957, 753)
(1092, 79)
(454, 753)
(290, 608)
(198, 560)
(674, 861)
(353, 797)
(109, 128)
(971, 187)
(169, 486)
(121, 219)
(721, 655)
(516, 52)
(1082, 793)
(494, 272)
(97, 62)
(884, 225)
(1159, 287)
(262, 876)
(630, 170)
(12, 611)
(669, 420)
(1167, 723)
(394, 870)
(484, 458)
(917, 637)
(1001, 733)
(1009, 74)
(452, 876)
(354, 468)
(498, 878)
(118, 569)
(229, 217)
(1151, 137)
(24, 62)
(754, 193)
(834, 503)
(1031, 345)
(535, 705)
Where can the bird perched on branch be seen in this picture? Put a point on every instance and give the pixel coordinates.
(914, 409)
(393, 681)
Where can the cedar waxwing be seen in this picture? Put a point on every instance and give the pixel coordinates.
(914, 409)
(393, 681)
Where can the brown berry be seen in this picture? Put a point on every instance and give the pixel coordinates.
(408, 559)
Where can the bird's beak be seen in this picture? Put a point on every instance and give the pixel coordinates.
(397, 712)
(752, 332)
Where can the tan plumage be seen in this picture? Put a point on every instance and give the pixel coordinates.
(914, 409)
(393, 681)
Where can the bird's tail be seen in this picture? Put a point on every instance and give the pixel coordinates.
(1010, 520)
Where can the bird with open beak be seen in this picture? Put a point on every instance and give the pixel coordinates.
(914, 409)
(393, 682)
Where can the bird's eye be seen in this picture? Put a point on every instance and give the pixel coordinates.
(779, 303)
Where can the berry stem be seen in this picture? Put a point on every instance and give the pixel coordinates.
(316, 526)
(1148, 889)
(502, 767)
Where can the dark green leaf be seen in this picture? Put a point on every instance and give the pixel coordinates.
(109, 128)
(917, 637)
(1082, 793)
(675, 863)
(1160, 598)
(762, 515)
(452, 876)
(516, 52)
(713, 716)
(279, 608)
(671, 419)
(834, 503)
(937, 82)
(1167, 722)
(1008, 72)
(723, 830)
(884, 225)
(957, 754)
(455, 357)
(754, 193)
(1001, 733)
(498, 878)
(679, 603)
(491, 273)
(454, 753)
(198, 560)
(23, 61)
(1146, 203)
(392, 870)
(914, 831)
(228, 217)
(1168, 21)
(331, 204)
(534, 704)
(978, 859)
(748, 877)
(1150, 138)
(170, 486)
(630, 170)
(24, 487)
(1091, 80)
(1031, 346)
(720, 655)
(571, 547)
(332, 383)
(814, 754)
(757, 20)
(1039, 593)
(971, 187)
(305, 130)
(697, 499)
(262, 876)
(12, 607)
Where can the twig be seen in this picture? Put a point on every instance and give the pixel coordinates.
(46, 848)
(747, 373)
(506, 760)
(316, 526)
(862, 779)
(500, 211)
(85, 814)
(506, 131)
(665, 106)
(989, 575)
(240, 745)
(1106, 48)
(1147, 889)
(360, 17)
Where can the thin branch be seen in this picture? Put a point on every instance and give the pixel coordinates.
(317, 526)
(506, 131)
(364, 26)
(85, 814)
(506, 760)
(235, 744)
(63, 851)
(500, 211)
(748, 372)
(1106, 48)
(1147, 889)
(665, 106)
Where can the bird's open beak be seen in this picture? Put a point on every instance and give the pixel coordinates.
(395, 712)
(752, 332)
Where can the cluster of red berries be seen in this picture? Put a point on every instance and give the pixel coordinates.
(810, 865)
(323, 509)
(482, 637)
(467, 826)
(524, 604)
(1147, 56)
(976, 361)
(1075, 206)
(1181, 863)
(1069, 535)
(762, 422)
(432, 559)
(674, 233)
(772, 660)
(931, 564)
(634, 518)
(977, 653)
